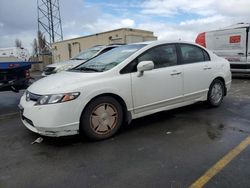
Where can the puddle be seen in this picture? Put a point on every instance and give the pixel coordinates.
(215, 130)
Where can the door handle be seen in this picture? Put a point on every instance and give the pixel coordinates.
(240, 53)
(207, 68)
(175, 73)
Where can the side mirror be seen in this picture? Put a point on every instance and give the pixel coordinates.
(144, 66)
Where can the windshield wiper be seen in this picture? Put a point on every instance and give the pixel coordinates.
(77, 58)
(89, 69)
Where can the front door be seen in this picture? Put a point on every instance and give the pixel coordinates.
(161, 86)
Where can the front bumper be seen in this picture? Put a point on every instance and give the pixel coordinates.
(51, 132)
(52, 120)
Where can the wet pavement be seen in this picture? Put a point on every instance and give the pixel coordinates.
(167, 149)
(9, 99)
(8, 103)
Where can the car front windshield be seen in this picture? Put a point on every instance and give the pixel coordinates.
(109, 59)
(87, 54)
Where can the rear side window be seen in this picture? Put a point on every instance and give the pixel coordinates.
(193, 54)
(162, 56)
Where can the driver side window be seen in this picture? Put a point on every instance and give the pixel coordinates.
(162, 56)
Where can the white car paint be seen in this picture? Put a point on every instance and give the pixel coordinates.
(156, 90)
(155, 83)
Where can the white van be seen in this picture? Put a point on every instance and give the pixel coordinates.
(231, 43)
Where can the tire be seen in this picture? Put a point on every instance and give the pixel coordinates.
(101, 118)
(216, 93)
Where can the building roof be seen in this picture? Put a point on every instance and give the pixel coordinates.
(120, 29)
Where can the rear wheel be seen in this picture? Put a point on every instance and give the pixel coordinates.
(101, 118)
(216, 93)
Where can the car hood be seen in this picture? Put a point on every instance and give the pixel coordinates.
(62, 82)
(73, 63)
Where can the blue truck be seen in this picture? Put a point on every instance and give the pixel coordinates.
(14, 76)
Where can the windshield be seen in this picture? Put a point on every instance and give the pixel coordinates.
(87, 54)
(109, 59)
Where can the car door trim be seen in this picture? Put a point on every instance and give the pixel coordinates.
(172, 101)
(157, 105)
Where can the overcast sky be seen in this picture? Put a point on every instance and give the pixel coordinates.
(169, 19)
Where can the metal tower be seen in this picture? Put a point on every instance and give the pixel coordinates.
(49, 20)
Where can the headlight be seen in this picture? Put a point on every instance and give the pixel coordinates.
(57, 98)
(27, 95)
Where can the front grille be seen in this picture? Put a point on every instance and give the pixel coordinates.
(49, 70)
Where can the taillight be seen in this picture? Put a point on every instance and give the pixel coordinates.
(201, 39)
(11, 65)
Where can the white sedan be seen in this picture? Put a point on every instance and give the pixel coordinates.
(126, 83)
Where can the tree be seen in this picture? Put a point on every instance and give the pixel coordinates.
(42, 44)
(18, 43)
(35, 47)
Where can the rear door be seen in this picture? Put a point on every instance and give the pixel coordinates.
(197, 71)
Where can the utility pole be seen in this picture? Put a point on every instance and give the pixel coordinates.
(49, 21)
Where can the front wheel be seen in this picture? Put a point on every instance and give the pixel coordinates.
(101, 118)
(216, 93)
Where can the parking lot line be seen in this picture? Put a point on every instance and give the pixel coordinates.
(215, 169)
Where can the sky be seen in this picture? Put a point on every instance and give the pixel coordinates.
(168, 19)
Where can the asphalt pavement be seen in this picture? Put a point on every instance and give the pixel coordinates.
(168, 149)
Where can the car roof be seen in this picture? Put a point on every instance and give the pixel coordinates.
(106, 46)
(159, 42)
(156, 42)
(147, 43)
